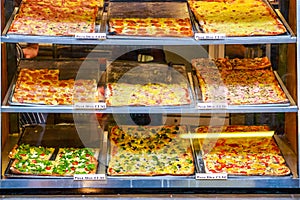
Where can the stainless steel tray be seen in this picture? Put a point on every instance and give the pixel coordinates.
(135, 72)
(285, 152)
(58, 136)
(99, 25)
(157, 177)
(132, 72)
(273, 11)
(77, 69)
(198, 95)
(150, 10)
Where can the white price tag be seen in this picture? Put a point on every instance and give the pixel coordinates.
(212, 106)
(90, 106)
(89, 177)
(209, 36)
(91, 36)
(212, 176)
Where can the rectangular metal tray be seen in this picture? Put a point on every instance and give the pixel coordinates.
(107, 156)
(149, 9)
(99, 24)
(158, 9)
(198, 95)
(132, 72)
(274, 11)
(59, 136)
(77, 69)
(200, 166)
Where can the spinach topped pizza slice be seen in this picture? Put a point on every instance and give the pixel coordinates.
(149, 151)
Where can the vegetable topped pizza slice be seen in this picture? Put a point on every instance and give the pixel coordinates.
(32, 167)
(149, 151)
(70, 161)
(26, 151)
(30, 160)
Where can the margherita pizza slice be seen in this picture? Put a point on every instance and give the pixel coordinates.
(241, 156)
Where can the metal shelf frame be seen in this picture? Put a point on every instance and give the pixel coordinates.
(170, 110)
(146, 41)
(154, 183)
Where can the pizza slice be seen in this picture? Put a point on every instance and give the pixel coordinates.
(32, 167)
(43, 19)
(150, 94)
(156, 27)
(149, 151)
(70, 161)
(238, 81)
(245, 164)
(28, 152)
(241, 156)
(42, 86)
(237, 18)
(174, 159)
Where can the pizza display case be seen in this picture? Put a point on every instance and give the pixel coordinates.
(92, 121)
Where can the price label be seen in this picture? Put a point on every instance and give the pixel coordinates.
(89, 177)
(91, 36)
(209, 36)
(90, 106)
(212, 106)
(214, 176)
